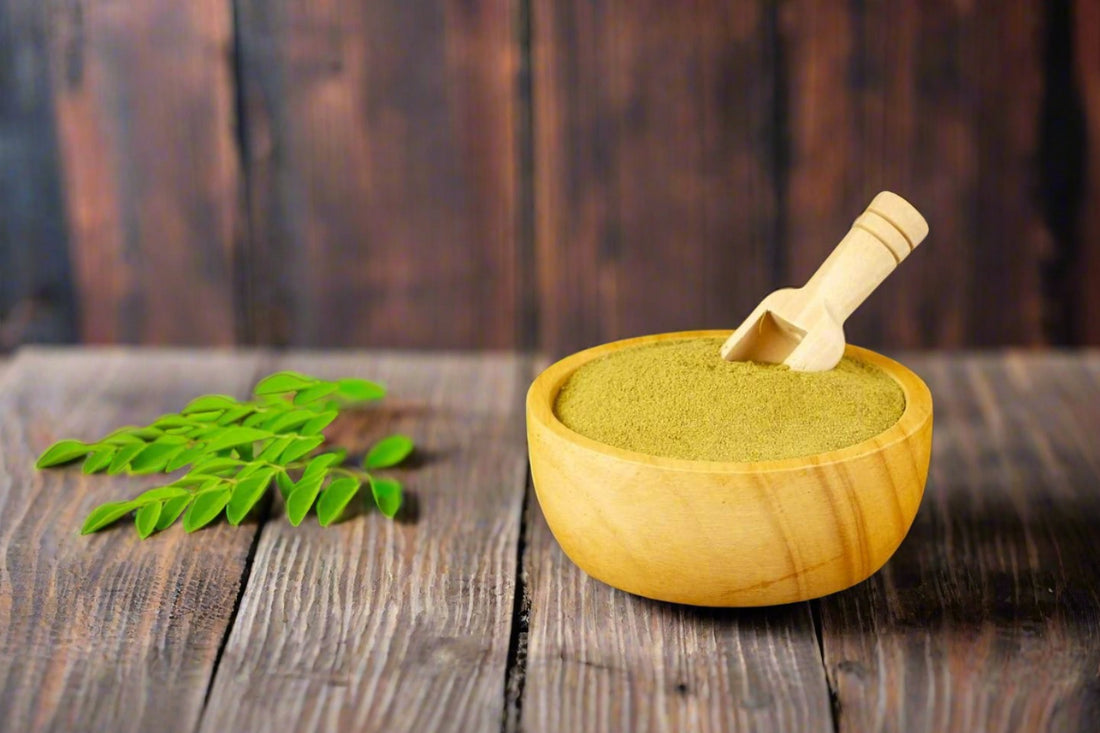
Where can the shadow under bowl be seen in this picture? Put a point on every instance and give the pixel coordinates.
(714, 533)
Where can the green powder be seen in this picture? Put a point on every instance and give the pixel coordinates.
(682, 400)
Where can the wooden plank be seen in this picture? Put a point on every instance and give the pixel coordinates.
(144, 106)
(988, 616)
(36, 295)
(380, 625)
(106, 632)
(599, 659)
(1085, 264)
(939, 102)
(655, 165)
(380, 149)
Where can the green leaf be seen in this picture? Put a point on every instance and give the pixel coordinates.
(387, 495)
(123, 457)
(215, 464)
(98, 460)
(232, 437)
(319, 423)
(360, 390)
(209, 402)
(171, 421)
(147, 433)
(161, 493)
(155, 456)
(208, 416)
(205, 508)
(244, 452)
(146, 519)
(334, 498)
(388, 452)
(63, 451)
(172, 510)
(235, 414)
(274, 448)
(319, 463)
(121, 437)
(281, 382)
(284, 422)
(302, 498)
(300, 447)
(106, 514)
(245, 496)
(285, 484)
(311, 394)
(184, 457)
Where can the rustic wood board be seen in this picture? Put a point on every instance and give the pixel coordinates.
(654, 159)
(1083, 259)
(143, 101)
(988, 616)
(380, 625)
(598, 659)
(379, 144)
(939, 102)
(106, 632)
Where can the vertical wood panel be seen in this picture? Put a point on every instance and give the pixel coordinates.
(988, 616)
(654, 153)
(382, 171)
(35, 280)
(939, 102)
(1085, 300)
(143, 96)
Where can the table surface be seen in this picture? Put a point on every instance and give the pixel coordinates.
(464, 615)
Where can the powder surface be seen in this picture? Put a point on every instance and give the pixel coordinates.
(680, 399)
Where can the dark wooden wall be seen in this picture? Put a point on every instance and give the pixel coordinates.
(537, 173)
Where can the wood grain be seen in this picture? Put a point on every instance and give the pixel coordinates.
(380, 625)
(143, 100)
(988, 617)
(380, 151)
(655, 196)
(940, 103)
(599, 659)
(1085, 256)
(105, 632)
(36, 299)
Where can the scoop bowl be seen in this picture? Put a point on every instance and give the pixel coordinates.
(712, 533)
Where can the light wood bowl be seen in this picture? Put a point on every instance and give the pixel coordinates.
(713, 533)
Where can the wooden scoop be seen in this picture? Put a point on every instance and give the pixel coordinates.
(804, 327)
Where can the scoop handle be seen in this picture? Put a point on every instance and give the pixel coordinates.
(880, 238)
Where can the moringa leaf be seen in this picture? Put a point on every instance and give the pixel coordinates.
(300, 447)
(234, 414)
(209, 402)
(63, 451)
(161, 493)
(247, 492)
(285, 484)
(302, 498)
(205, 508)
(360, 390)
(387, 495)
(184, 457)
(146, 518)
(282, 382)
(283, 422)
(275, 448)
(388, 452)
(232, 437)
(106, 514)
(171, 511)
(319, 463)
(123, 457)
(334, 498)
(155, 456)
(315, 425)
(98, 460)
(314, 393)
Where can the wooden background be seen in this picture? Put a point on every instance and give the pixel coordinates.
(538, 173)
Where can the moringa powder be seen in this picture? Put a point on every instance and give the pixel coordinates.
(680, 399)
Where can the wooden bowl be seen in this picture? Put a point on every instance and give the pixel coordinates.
(714, 533)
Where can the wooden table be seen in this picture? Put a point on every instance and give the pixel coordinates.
(465, 615)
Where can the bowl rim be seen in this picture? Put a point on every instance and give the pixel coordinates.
(545, 387)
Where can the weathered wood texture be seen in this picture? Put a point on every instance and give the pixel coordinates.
(599, 659)
(1083, 260)
(381, 157)
(35, 282)
(380, 625)
(654, 150)
(105, 632)
(988, 616)
(143, 101)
